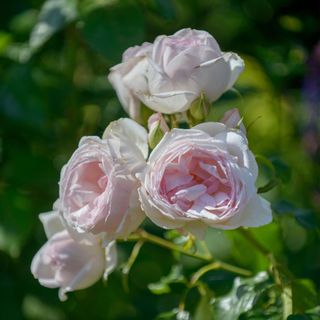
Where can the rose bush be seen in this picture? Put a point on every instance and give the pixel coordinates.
(204, 176)
(168, 75)
(98, 187)
(67, 264)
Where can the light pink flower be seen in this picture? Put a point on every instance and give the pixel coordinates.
(204, 176)
(168, 75)
(68, 264)
(98, 187)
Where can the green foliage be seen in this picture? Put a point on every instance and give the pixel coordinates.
(163, 286)
(242, 298)
(111, 30)
(54, 58)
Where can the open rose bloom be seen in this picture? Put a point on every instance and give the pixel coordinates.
(204, 176)
(98, 187)
(169, 74)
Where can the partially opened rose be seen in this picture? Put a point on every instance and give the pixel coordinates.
(168, 75)
(98, 187)
(204, 176)
(67, 264)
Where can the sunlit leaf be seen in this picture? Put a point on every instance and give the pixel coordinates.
(242, 298)
(54, 15)
(304, 295)
(163, 286)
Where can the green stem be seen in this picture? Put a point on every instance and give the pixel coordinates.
(147, 237)
(134, 254)
(127, 267)
(143, 235)
(215, 266)
(250, 238)
(282, 277)
(173, 121)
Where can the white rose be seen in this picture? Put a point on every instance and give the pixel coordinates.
(168, 75)
(67, 264)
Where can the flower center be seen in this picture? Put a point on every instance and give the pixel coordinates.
(87, 183)
(197, 181)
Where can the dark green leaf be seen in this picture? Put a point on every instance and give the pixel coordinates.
(283, 171)
(299, 317)
(111, 30)
(304, 217)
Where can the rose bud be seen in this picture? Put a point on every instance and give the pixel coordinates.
(157, 127)
(68, 264)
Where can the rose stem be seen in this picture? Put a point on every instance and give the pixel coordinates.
(250, 238)
(282, 277)
(127, 267)
(145, 236)
(215, 266)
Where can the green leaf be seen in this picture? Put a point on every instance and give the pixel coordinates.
(299, 317)
(204, 308)
(54, 15)
(16, 222)
(304, 295)
(242, 298)
(111, 30)
(34, 308)
(163, 285)
(283, 171)
(174, 314)
(304, 217)
(159, 288)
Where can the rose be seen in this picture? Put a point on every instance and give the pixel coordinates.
(98, 187)
(204, 176)
(168, 75)
(67, 264)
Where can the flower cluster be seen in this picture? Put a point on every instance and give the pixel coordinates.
(192, 179)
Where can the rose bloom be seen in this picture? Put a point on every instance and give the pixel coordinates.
(204, 176)
(98, 187)
(168, 75)
(68, 264)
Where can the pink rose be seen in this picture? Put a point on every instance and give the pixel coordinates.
(168, 75)
(98, 187)
(68, 264)
(204, 176)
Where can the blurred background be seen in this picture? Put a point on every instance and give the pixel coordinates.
(54, 60)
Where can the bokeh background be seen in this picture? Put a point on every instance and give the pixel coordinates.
(54, 60)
